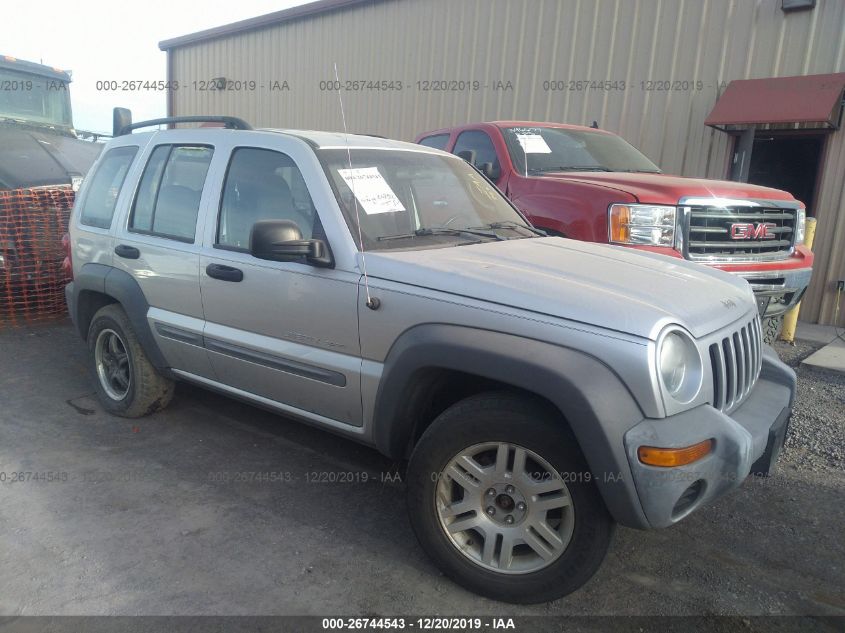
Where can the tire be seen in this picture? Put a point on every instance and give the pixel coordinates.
(771, 328)
(126, 382)
(479, 426)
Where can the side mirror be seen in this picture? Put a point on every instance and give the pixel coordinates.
(490, 171)
(281, 241)
(121, 117)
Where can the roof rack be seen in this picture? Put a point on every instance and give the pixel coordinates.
(122, 121)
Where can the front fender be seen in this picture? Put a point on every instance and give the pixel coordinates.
(590, 396)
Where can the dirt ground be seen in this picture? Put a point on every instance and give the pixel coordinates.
(161, 515)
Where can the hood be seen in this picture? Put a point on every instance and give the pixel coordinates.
(666, 189)
(31, 158)
(607, 286)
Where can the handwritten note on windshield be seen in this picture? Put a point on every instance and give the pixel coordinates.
(533, 144)
(371, 190)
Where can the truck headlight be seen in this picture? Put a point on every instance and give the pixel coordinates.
(679, 364)
(800, 226)
(647, 224)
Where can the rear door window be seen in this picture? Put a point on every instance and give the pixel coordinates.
(101, 198)
(437, 141)
(168, 197)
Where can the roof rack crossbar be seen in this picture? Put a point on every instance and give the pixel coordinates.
(230, 122)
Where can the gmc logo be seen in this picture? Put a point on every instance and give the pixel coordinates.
(747, 231)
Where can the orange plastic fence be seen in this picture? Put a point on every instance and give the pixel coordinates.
(32, 280)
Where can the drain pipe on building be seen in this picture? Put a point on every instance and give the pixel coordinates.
(790, 319)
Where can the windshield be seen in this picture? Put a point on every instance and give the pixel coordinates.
(549, 149)
(34, 99)
(410, 199)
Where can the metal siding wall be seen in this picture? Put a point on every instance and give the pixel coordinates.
(527, 42)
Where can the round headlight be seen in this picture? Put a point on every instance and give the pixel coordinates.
(679, 365)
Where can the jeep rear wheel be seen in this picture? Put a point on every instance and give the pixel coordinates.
(501, 498)
(127, 383)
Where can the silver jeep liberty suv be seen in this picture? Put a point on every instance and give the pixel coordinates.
(541, 389)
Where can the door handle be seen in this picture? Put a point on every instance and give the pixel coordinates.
(224, 273)
(127, 252)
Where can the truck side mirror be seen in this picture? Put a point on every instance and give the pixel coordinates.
(121, 117)
(281, 241)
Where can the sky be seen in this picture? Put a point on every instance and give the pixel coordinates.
(101, 40)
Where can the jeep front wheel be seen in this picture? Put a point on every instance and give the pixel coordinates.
(502, 500)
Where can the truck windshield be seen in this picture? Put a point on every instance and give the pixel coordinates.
(413, 199)
(34, 99)
(550, 149)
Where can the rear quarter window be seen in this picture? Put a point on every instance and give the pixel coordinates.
(437, 141)
(106, 183)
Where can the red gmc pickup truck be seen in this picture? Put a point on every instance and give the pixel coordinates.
(589, 184)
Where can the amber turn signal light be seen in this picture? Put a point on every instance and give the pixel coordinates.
(668, 457)
(620, 219)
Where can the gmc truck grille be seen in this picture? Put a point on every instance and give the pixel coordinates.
(739, 233)
(736, 360)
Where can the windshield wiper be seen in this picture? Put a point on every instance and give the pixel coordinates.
(510, 224)
(639, 171)
(438, 230)
(444, 230)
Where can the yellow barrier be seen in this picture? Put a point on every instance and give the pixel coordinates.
(790, 319)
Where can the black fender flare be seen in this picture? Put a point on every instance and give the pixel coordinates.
(125, 290)
(594, 401)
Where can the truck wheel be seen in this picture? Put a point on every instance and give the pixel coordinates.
(501, 498)
(771, 328)
(127, 383)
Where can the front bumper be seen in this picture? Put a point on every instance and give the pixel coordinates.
(747, 441)
(779, 290)
(778, 285)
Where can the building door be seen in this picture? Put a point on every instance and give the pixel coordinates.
(788, 162)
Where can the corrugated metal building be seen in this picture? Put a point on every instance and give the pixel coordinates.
(650, 70)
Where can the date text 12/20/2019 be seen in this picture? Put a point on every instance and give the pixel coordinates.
(201, 85)
(420, 623)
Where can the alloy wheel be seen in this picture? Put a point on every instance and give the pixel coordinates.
(505, 508)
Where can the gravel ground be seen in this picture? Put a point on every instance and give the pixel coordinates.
(144, 524)
(816, 438)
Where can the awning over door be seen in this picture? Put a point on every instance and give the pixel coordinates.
(806, 99)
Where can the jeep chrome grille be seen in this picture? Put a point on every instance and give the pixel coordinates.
(739, 233)
(736, 361)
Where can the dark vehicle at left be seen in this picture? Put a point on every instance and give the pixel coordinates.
(42, 163)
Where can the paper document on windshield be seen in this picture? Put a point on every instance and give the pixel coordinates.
(533, 144)
(371, 190)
